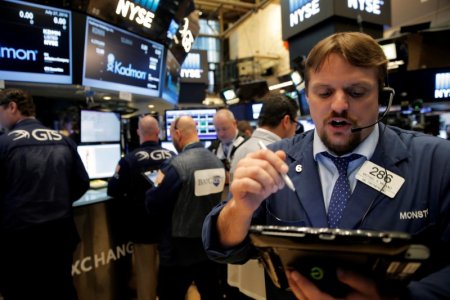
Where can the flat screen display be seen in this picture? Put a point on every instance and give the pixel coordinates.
(99, 126)
(308, 124)
(390, 50)
(100, 160)
(35, 43)
(256, 110)
(229, 94)
(118, 60)
(171, 88)
(442, 85)
(195, 67)
(169, 146)
(202, 116)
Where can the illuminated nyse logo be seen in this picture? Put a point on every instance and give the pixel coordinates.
(369, 6)
(18, 54)
(191, 66)
(114, 66)
(442, 85)
(140, 11)
(300, 10)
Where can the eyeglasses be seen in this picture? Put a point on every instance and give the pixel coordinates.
(298, 126)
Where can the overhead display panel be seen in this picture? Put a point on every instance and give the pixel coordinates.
(299, 15)
(35, 43)
(171, 87)
(195, 67)
(115, 59)
(184, 38)
(150, 18)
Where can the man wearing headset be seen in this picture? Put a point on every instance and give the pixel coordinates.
(344, 76)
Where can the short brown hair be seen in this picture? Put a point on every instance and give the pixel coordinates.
(275, 107)
(23, 100)
(359, 49)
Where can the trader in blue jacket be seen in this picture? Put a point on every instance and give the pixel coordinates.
(128, 186)
(345, 77)
(188, 187)
(41, 176)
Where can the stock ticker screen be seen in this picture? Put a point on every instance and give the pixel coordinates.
(119, 60)
(35, 43)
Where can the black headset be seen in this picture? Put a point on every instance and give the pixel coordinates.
(386, 95)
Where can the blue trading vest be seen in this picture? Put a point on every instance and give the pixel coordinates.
(191, 210)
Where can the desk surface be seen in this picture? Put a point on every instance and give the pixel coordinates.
(92, 196)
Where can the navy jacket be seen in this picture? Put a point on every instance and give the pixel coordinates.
(41, 176)
(421, 207)
(128, 187)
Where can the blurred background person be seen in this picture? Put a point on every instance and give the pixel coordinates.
(245, 128)
(277, 120)
(229, 139)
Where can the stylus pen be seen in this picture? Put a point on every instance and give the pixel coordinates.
(285, 177)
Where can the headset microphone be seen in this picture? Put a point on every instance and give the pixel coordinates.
(388, 108)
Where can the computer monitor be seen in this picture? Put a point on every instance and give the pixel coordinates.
(171, 85)
(256, 110)
(202, 116)
(99, 126)
(119, 60)
(100, 160)
(168, 146)
(308, 124)
(35, 43)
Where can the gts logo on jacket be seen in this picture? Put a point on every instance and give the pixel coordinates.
(41, 135)
(154, 155)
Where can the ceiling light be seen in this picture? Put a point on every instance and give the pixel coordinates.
(280, 85)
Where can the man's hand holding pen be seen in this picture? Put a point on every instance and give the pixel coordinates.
(257, 176)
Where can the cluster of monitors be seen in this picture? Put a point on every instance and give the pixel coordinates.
(100, 136)
(39, 46)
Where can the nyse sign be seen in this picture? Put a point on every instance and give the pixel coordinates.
(135, 13)
(299, 15)
(369, 6)
(303, 12)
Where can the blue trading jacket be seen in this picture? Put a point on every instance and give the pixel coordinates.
(421, 207)
(128, 187)
(41, 176)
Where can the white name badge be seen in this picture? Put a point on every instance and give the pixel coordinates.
(380, 179)
(209, 181)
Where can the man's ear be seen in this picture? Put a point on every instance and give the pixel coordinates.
(13, 106)
(286, 120)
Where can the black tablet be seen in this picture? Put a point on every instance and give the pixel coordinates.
(390, 257)
(151, 176)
